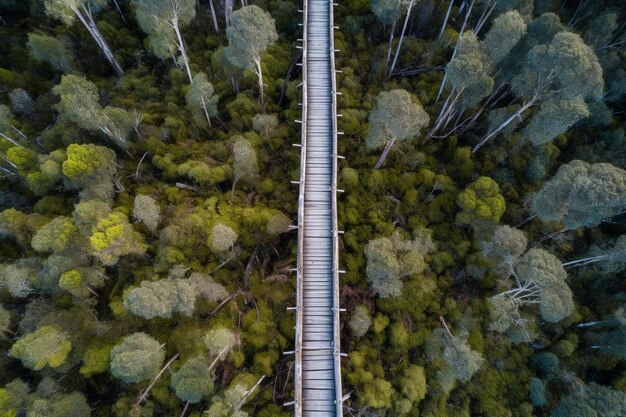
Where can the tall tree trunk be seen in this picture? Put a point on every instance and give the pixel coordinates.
(445, 20)
(214, 16)
(206, 113)
(406, 22)
(181, 48)
(90, 25)
(514, 116)
(383, 156)
(228, 11)
(259, 73)
(393, 29)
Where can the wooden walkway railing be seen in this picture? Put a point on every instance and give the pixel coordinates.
(317, 338)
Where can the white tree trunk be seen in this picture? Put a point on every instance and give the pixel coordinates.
(90, 25)
(259, 74)
(214, 16)
(406, 21)
(393, 29)
(445, 20)
(206, 112)
(383, 156)
(497, 130)
(181, 48)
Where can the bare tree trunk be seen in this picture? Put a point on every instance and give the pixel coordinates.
(445, 20)
(259, 73)
(181, 48)
(119, 10)
(406, 21)
(228, 11)
(383, 156)
(144, 394)
(206, 112)
(497, 130)
(393, 29)
(456, 48)
(214, 16)
(90, 25)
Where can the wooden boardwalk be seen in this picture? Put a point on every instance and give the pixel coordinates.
(317, 350)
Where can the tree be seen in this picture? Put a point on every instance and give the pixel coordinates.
(413, 383)
(505, 32)
(55, 236)
(146, 210)
(222, 239)
(201, 100)
(47, 346)
(395, 116)
(611, 259)
(389, 259)
(612, 341)
(592, 400)
(388, 12)
(546, 364)
(408, 6)
(114, 237)
(87, 214)
(161, 298)
(193, 382)
(553, 118)
(137, 358)
(542, 280)
(265, 124)
(162, 21)
(480, 200)
(245, 165)
(537, 394)
(251, 31)
(360, 321)
(58, 404)
(581, 194)
(219, 341)
(457, 361)
(52, 50)
(5, 321)
(79, 104)
(68, 10)
(504, 247)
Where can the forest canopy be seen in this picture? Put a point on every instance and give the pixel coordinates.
(147, 207)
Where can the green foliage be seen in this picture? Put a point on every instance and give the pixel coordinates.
(85, 163)
(391, 259)
(581, 194)
(537, 392)
(413, 383)
(546, 363)
(592, 400)
(505, 32)
(456, 360)
(222, 239)
(161, 298)
(55, 236)
(360, 321)
(219, 341)
(52, 50)
(47, 346)
(114, 237)
(201, 99)
(481, 200)
(505, 246)
(245, 165)
(137, 358)
(146, 210)
(193, 382)
(555, 117)
(96, 358)
(251, 31)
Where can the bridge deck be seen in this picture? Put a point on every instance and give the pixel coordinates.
(318, 376)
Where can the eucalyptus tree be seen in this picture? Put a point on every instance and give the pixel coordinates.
(201, 99)
(408, 6)
(137, 358)
(52, 50)
(388, 12)
(591, 400)
(251, 31)
(245, 166)
(455, 360)
(581, 194)
(162, 21)
(395, 116)
(539, 279)
(68, 11)
(79, 104)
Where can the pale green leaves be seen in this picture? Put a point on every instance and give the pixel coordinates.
(201, 99)
(161, 298)
(251, 31)
(46, 346)
(396, 115)
(137, 358)
(193, 382)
